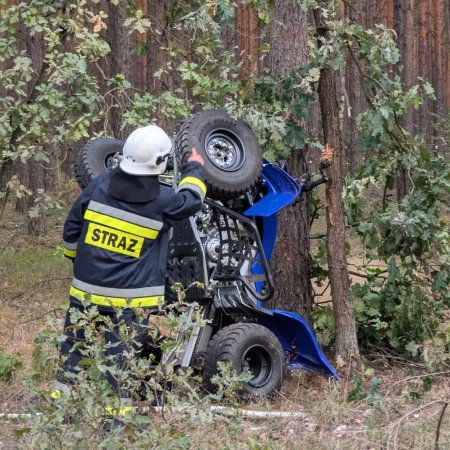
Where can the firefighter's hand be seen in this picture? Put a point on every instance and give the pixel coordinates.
(196, 157)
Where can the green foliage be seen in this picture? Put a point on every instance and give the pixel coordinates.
(405, 307)
(145, 106)
(275, 107)
(228, 382)
(9, 364)
(324, 324)
(78, 418)
(63, 86)
(411, 237)
(371, 395)
(60, 86)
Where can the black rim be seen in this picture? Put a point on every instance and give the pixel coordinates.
(257, 361)
(111, 161)
(225, 150)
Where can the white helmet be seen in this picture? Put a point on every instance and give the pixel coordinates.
(145, 151)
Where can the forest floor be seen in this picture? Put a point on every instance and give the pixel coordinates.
(388, 403)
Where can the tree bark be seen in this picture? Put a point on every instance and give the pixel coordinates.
(37, 226)
(404, 26)
(346, 345)
(140, 68)
(6, 173)
(356, 101)
(247, 38)
(290, 263)
(120, 60)
(31, 174)
(33, 45)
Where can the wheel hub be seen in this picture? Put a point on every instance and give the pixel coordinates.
(225, 150)
(257, 361)
(213, 248)
(112, 161)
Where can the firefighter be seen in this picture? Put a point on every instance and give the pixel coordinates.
(117, 236)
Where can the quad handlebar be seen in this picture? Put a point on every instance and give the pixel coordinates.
(305, 180)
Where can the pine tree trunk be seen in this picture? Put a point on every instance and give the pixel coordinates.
(346, 342)
(404, 26)
(6, 172)
(356, 102)
(119, 60)
(31, 174)
(33, 180)
(290, 262)
(247, 25)
(37, 226)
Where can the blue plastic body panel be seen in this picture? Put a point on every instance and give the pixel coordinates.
(295, 335)
(298, 341)
(282, 190)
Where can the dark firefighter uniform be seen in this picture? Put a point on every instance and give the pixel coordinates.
(117, 235)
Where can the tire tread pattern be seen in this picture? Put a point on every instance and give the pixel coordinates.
(222, 347)
(216, 189)
(84, 168)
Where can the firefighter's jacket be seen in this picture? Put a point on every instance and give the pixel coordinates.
(120, 248)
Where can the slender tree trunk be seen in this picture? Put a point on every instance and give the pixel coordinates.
(163, 35)
(346, 342)
(31, 174)
(446, 51)
(404, 26)
(119, 60)
(247, 25)
(290, 263)
(354, 102)
(6, 173)
(140, 66)
(33, 45)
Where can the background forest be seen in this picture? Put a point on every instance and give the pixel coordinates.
(365, 260)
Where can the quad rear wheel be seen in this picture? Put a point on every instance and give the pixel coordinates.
(248, 347)
(230, 149)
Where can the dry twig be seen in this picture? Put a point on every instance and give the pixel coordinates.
(434, 374)
(396, 425)
(438, 429)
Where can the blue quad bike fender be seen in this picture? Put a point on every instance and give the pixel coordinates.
(295, 335)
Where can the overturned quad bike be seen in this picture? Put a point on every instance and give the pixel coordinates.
(226, 247)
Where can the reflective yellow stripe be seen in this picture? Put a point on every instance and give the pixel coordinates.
(195, 181)
(70, 253)
(119, 302)
(118, 411)
(119, 224)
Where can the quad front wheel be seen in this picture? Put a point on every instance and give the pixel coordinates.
(97, 157)
(248, 347)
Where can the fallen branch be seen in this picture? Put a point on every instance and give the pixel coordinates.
(438, 429)
(35, 318)
(14, 416)
(397, 423)
(258, 414)
(34, 285)
(435, 374)
(223, 410)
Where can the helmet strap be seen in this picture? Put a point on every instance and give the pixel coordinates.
(161, 159)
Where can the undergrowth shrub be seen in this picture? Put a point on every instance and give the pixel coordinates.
(9, 364)
(80, 419)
